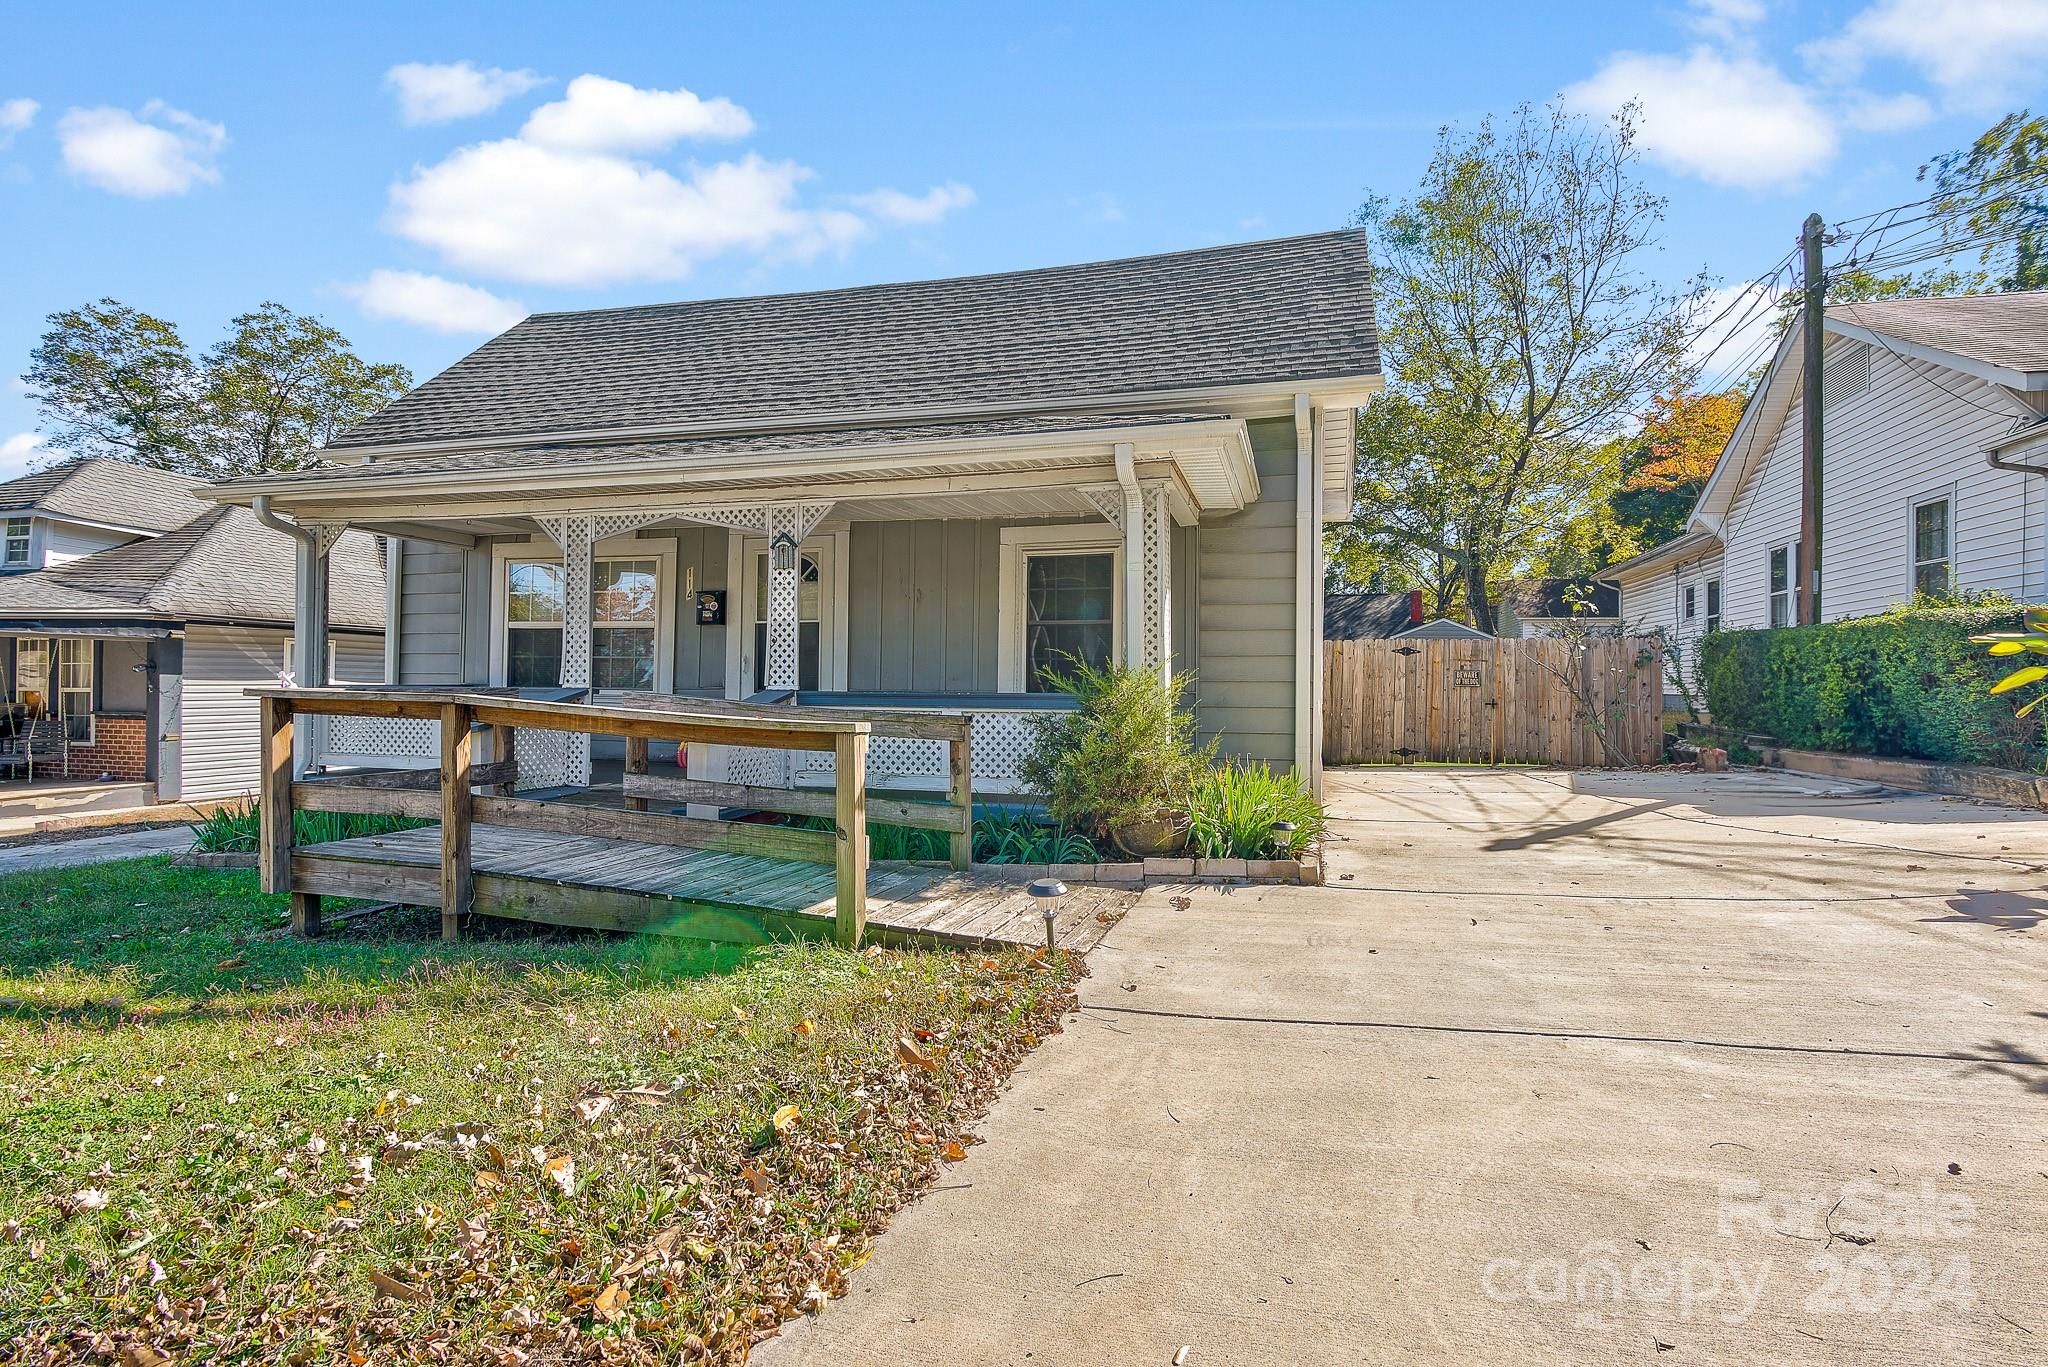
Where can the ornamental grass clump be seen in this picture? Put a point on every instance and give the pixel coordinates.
(1126, 755)
(1236, 809)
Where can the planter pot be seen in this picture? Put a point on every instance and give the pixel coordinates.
(1149, 837)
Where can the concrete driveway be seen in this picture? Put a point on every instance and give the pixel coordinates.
(1560, 1067)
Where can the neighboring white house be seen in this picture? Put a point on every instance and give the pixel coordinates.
(1549, 607)
(922, 495)
(1934, 475)
(137, 613)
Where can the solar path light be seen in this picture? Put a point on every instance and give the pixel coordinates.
(1048, 891)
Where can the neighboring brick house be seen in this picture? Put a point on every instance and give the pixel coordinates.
(134, 612)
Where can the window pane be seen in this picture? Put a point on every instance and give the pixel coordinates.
(1059, 647)
(533, 657)
(623, 591)
(1781, 574)
(1069, 608)
(533, 591)
(1930, 531)
(622, 657)
(1931, 578)
(1713, 598)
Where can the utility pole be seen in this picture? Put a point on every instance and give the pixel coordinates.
(1813, 327)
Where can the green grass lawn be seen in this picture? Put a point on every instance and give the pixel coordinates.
(218, 1143)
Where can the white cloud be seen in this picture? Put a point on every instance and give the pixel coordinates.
(163, 151)
(15, 115)
(1886, 113)
(1727, 118)
(435, 92)
(1981, 52)
(515, 211)
(22, 452)
(894, 206)
(598, 114)
(432, 302)
(1725, 18)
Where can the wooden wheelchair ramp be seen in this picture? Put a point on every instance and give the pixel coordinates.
(607, 884)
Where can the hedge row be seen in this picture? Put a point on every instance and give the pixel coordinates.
(1907, 683)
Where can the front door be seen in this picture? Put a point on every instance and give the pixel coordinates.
(817, 664)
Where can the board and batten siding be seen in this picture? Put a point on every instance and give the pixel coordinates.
(1245, 654)
(220, 748)
(1916, 433)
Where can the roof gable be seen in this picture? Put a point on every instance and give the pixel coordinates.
(108, 492)
(1290, 310)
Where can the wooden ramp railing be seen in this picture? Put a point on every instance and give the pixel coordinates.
(449, 795)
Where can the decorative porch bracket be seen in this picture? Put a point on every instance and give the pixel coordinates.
(1154, 542)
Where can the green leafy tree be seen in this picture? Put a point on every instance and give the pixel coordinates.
(1993, 201)
(1521, 334)
(113, 381)
(280, 384)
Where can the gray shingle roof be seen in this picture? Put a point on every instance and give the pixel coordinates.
(1265, 312)
(222, 565)
(2009, 331)
(95, 489)
(547, 456)
(1364, 616)
(1532, 599)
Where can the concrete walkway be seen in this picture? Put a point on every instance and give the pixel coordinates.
(1586, 1068)
(95, 849)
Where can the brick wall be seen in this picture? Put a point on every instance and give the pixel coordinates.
(120, 746)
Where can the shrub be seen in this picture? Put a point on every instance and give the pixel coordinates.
(1128, 753)
(233, 827)
(1233, 808)
(1908, 682)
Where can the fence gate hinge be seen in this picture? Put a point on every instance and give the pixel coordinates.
(1405, 753)
(1407, 650)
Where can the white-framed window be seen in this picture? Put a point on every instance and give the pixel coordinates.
(1060, 599)
(533, 623)
(1713, 605)
(15, 554)
(1784, 583)
(625, 603)
(1692, 601)
(32, 672)
(1933, 566)
(631, 583)
(75, 660)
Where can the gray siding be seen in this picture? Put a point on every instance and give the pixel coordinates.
(700, 651)
(921, 605)
(1244, 610)
(431, 586)
(219, 724)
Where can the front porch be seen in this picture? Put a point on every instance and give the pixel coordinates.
(955, 581)
(650, 864)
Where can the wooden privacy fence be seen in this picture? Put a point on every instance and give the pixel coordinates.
(1508, 701)
(449, 795)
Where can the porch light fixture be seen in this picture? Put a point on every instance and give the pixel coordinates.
(1048, 891)
(782, 553)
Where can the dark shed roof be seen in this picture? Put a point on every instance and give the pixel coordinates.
(1538, 598)
(1365, 616)
(1292, 309)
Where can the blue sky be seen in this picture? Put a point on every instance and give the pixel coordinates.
(420, 174)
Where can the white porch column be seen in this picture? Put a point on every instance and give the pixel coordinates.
(785, 589)
(574, 533)
(1158, 586)
(309, 635)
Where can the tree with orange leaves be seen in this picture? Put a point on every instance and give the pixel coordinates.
(1684, 434)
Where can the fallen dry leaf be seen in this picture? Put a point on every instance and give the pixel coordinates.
(912, 1056)
(953, 1153)
(785, 1119)
(610, 1302)
(804, 1027)
(562, 1169)
(398, 1290)
(141, 1355)
(591, 1107)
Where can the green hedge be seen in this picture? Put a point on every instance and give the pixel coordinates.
(1907, 683)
